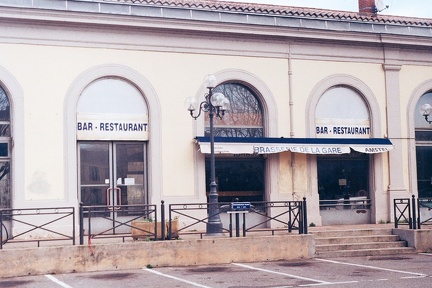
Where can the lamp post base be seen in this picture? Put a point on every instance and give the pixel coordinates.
(214, 229)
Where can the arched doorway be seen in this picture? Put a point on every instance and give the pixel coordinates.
(239, 177)
(423, 139)
(343, 180)
(112, 135)
(5, 153)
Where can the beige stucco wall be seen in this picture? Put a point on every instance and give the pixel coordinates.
(45, 74)
(46, 62)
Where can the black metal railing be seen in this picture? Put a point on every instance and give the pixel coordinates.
(48, 224)
(118, 222)
(402, 211)
(101, 222)
(288, 215)
(426, 204)
(411, 212)
(186, 212)
(345, 204)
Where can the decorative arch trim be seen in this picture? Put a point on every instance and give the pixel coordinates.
(418, 92)
(16, 98)
(261, 90)
(349, 81)
(148, 92)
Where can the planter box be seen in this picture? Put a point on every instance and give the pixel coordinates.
(174, 229)
(145, 229)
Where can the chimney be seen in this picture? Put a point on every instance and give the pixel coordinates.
(367, 7)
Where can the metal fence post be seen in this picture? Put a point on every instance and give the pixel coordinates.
(1, 229)
(163, 222)
(418, 214)
(410, 222)
(414, 217)
(305, 222)
(290, 224)
(73, 226)
(81, 223)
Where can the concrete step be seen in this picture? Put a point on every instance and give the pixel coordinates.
(360, 246)
(359, 242)
(366, 252)
(356, 239)
(352, 233)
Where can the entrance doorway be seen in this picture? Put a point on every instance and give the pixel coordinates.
(343, 187)
(112, 175)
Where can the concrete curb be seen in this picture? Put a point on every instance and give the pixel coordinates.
(139, 254)
(421, 240)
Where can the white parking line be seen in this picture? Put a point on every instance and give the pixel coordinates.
(281, 273)
(55, 280)
(413, 277)
(372, 267)
(175, 278)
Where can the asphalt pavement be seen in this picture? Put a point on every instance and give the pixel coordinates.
(394, 271)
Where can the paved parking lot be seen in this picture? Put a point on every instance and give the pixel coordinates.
(383, 271)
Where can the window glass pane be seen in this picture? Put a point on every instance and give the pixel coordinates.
(4, 106)
(94, 167)
(423, 135)
(343, 175)
(235, 132)
(341, 103)
(130, 171)
(4, 150)
(5, 189)
(424, 171)
(420, 121)
(242, 179)
(111, 96)
(243, 119)
(5, 130)
(94, 163)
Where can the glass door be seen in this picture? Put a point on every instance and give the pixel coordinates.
(343, 187)
(112, 176)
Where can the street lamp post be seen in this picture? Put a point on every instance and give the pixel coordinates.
(214, 104)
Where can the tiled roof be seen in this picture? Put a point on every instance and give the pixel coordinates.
(267, 9)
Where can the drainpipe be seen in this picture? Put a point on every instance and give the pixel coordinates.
(290, 93)
(291, 117)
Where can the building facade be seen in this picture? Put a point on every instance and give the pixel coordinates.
(323, 105)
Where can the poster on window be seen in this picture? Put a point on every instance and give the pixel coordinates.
(112, 127)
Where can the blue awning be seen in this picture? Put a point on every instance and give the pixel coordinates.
(239, 145)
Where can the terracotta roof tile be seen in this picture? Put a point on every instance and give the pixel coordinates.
(283, 11)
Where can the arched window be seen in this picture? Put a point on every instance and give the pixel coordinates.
(423, 137)
(110, 95)
(341, 106)
(240, 177)
(244, 118)
(5, 160)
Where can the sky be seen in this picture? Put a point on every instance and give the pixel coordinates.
(410, 8)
